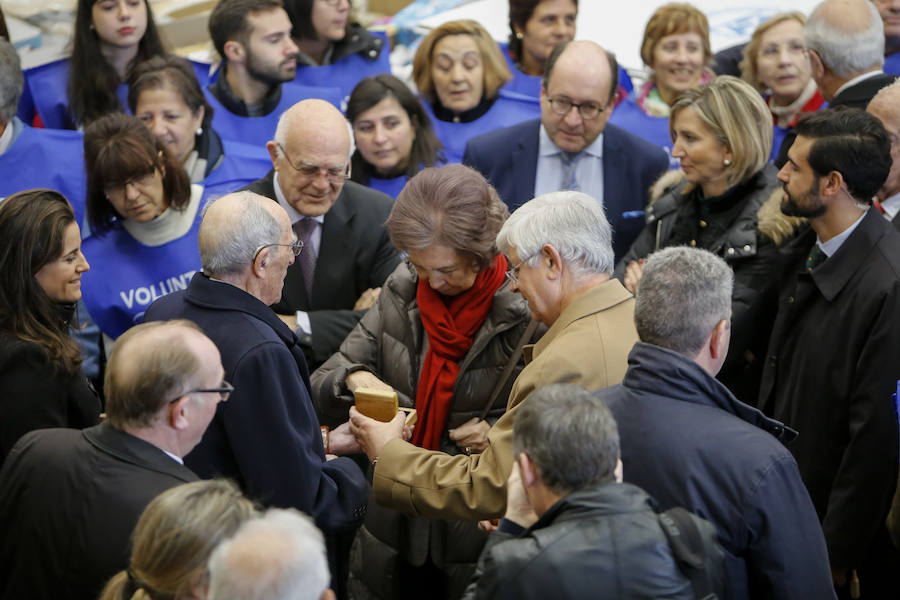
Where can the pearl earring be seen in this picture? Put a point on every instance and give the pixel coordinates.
(519, 35)
(199, 131)
(727, 162)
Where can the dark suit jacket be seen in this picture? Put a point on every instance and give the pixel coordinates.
(859, 95)
(356, 254)
(508, 159)
(69, 501)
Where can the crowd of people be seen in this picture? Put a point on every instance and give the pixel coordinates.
(649, 330)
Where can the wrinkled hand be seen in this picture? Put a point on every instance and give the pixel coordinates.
(633, 273)
(341, 441)
(372, 435)
(365, 379)
(471, 435)
(518, 508)
(367, 299)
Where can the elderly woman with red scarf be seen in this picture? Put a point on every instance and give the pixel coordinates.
(445, 333)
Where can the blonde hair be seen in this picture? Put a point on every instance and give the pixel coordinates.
(737, 116)
(750, 53)
(174, 537)
(496, 72)
(672, 18)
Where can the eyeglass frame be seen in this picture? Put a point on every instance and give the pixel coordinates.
(513, 274)
(577, 106)
(334, 178)
(296, 247)
(224, 391)
(118, 189)
(334, 2)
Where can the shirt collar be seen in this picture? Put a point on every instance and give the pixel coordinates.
(858, 79)
(546, 147)
(173, 457)
(292, 212)
(832, 245)
(7, 137)
(891, 206)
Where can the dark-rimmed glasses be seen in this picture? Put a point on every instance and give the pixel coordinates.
(336, 174)
(140, 181)
(224, 392)
(587, 110)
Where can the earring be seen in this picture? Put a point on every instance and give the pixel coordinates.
(727, 162)
(199, 131)
(519, 35)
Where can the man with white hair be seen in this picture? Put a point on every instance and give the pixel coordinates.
(560, 249)
(267, 438)
(845, 39)
(885, 107)
(689, 442)
(278, 556)
(348, 254)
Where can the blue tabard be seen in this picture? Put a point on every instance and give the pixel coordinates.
(530, 85)
(127, 276)
(256, 131)
(892, 64)
(45, 158)
(347, 72)
(243, 164)
(391, 187)
(509, 109)
(46, 91)
(632, 118)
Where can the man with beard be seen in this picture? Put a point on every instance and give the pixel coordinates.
(255, 81)
(834, 355)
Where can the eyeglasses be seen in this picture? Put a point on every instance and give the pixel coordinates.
(336, 174)
(513, 274)
(296, 248)
(141, 181)
(587, 110)
(334, 2)
(224, 392)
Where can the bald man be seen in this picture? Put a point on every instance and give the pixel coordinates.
(885, 107)
(572, 147)
(348, 254)
(70, 499)
(845, 39)
(267, 437)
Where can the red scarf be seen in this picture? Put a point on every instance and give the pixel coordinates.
(451, 325)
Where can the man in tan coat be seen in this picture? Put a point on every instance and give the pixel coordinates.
(560, 249)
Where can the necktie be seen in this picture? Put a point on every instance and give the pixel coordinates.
(304, 229)
(816, 257)
(569, 162)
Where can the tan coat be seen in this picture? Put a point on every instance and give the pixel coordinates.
(588, 345)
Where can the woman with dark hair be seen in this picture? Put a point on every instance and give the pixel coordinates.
(144, 216)
(725, 199)
(40, 364)
(335, 50)
(446, 334)
(460, 73)
(174, 538)
(165, 95)
(676, 49)
(110, 38)
(394, 138)
(535, 28)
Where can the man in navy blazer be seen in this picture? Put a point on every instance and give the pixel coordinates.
(572, 147)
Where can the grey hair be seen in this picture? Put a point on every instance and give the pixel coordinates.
(571, 222)
(11, 81)
(846, 53)
(683, 293)
(280, 137)
(279, 556)
(230, 247)
(569, 434)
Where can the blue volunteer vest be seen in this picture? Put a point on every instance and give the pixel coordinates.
(509, 108)
(391, 187)
(256, 131)
(45, 158)
(127, 276)
(347, 72)
(242, 164)
(46, 92)
(892, 64)
(632, 118)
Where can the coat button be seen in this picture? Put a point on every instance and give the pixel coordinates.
(702, 223)
(373, 53)
(790, 300)
(730, 251)
(746, 247)
(693, 243)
